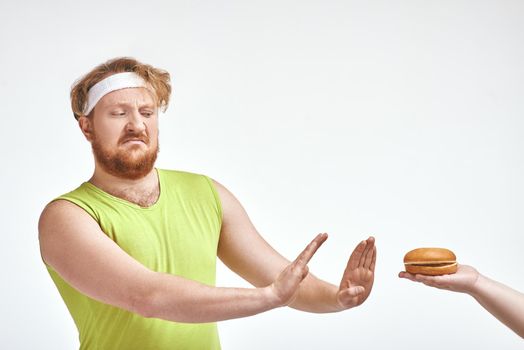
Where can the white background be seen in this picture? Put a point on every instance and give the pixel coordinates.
(401, 119)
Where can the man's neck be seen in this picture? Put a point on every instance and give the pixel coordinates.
(143, 192)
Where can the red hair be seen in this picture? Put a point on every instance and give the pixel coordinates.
(158, 79)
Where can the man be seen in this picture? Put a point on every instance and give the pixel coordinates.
(133, 250)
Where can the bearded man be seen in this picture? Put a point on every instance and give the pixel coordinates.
(133, 250)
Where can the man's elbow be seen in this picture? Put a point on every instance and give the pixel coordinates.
(142, 305)
(158, 298)
(143, 301)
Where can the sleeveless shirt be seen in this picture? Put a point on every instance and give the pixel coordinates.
(177, 235)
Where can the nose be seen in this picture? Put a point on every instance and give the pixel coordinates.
(135, 122)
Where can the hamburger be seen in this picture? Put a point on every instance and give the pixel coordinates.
(430, 261)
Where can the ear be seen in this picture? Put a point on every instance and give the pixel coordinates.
(86, 126)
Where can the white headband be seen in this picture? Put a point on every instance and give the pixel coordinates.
(111, 83)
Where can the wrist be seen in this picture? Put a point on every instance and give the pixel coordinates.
(337, 304)
(478, 286)
(270, 297)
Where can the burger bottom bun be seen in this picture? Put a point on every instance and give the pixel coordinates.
(432, 270)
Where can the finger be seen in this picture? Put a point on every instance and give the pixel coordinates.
(434, 281)
(364, 253)
(373, 259)
(428, 280)
(370, 252)
(421, 278)
(407, 275)
(305, 272)
(311, 249)
(356, 255)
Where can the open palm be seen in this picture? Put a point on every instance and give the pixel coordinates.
(359, 275)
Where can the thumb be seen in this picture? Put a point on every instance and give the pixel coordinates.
(349, 297)
(354, 291)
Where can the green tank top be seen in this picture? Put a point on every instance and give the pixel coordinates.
(176, 235)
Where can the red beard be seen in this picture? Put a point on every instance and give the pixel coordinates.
(132, 163)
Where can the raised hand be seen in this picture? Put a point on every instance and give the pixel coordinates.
(359, 275)
(286, 286)
(462, 281)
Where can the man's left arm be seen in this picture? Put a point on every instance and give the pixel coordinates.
(245, 252)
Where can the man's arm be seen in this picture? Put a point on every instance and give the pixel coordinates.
(245, 252)
(506, 304)
(72, 243)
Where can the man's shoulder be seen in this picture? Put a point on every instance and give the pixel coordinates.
(193, 184)
(72, 203)
(181, 175)
(81, 189)
(58, 210)
(177, 172)
(59, 207)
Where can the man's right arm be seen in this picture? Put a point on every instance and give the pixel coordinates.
(73, 244)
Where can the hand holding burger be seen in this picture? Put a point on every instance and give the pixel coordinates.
(503, 302)
(438, 267)
(462, 281)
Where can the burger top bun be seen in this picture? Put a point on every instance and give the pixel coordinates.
(429, 255)
(430, 261)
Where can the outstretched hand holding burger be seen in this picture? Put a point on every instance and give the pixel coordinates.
(437, 267)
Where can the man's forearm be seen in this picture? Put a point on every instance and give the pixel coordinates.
(506, 304)
(178, 299)
(316, 296)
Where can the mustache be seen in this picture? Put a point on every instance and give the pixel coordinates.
(134, 137)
